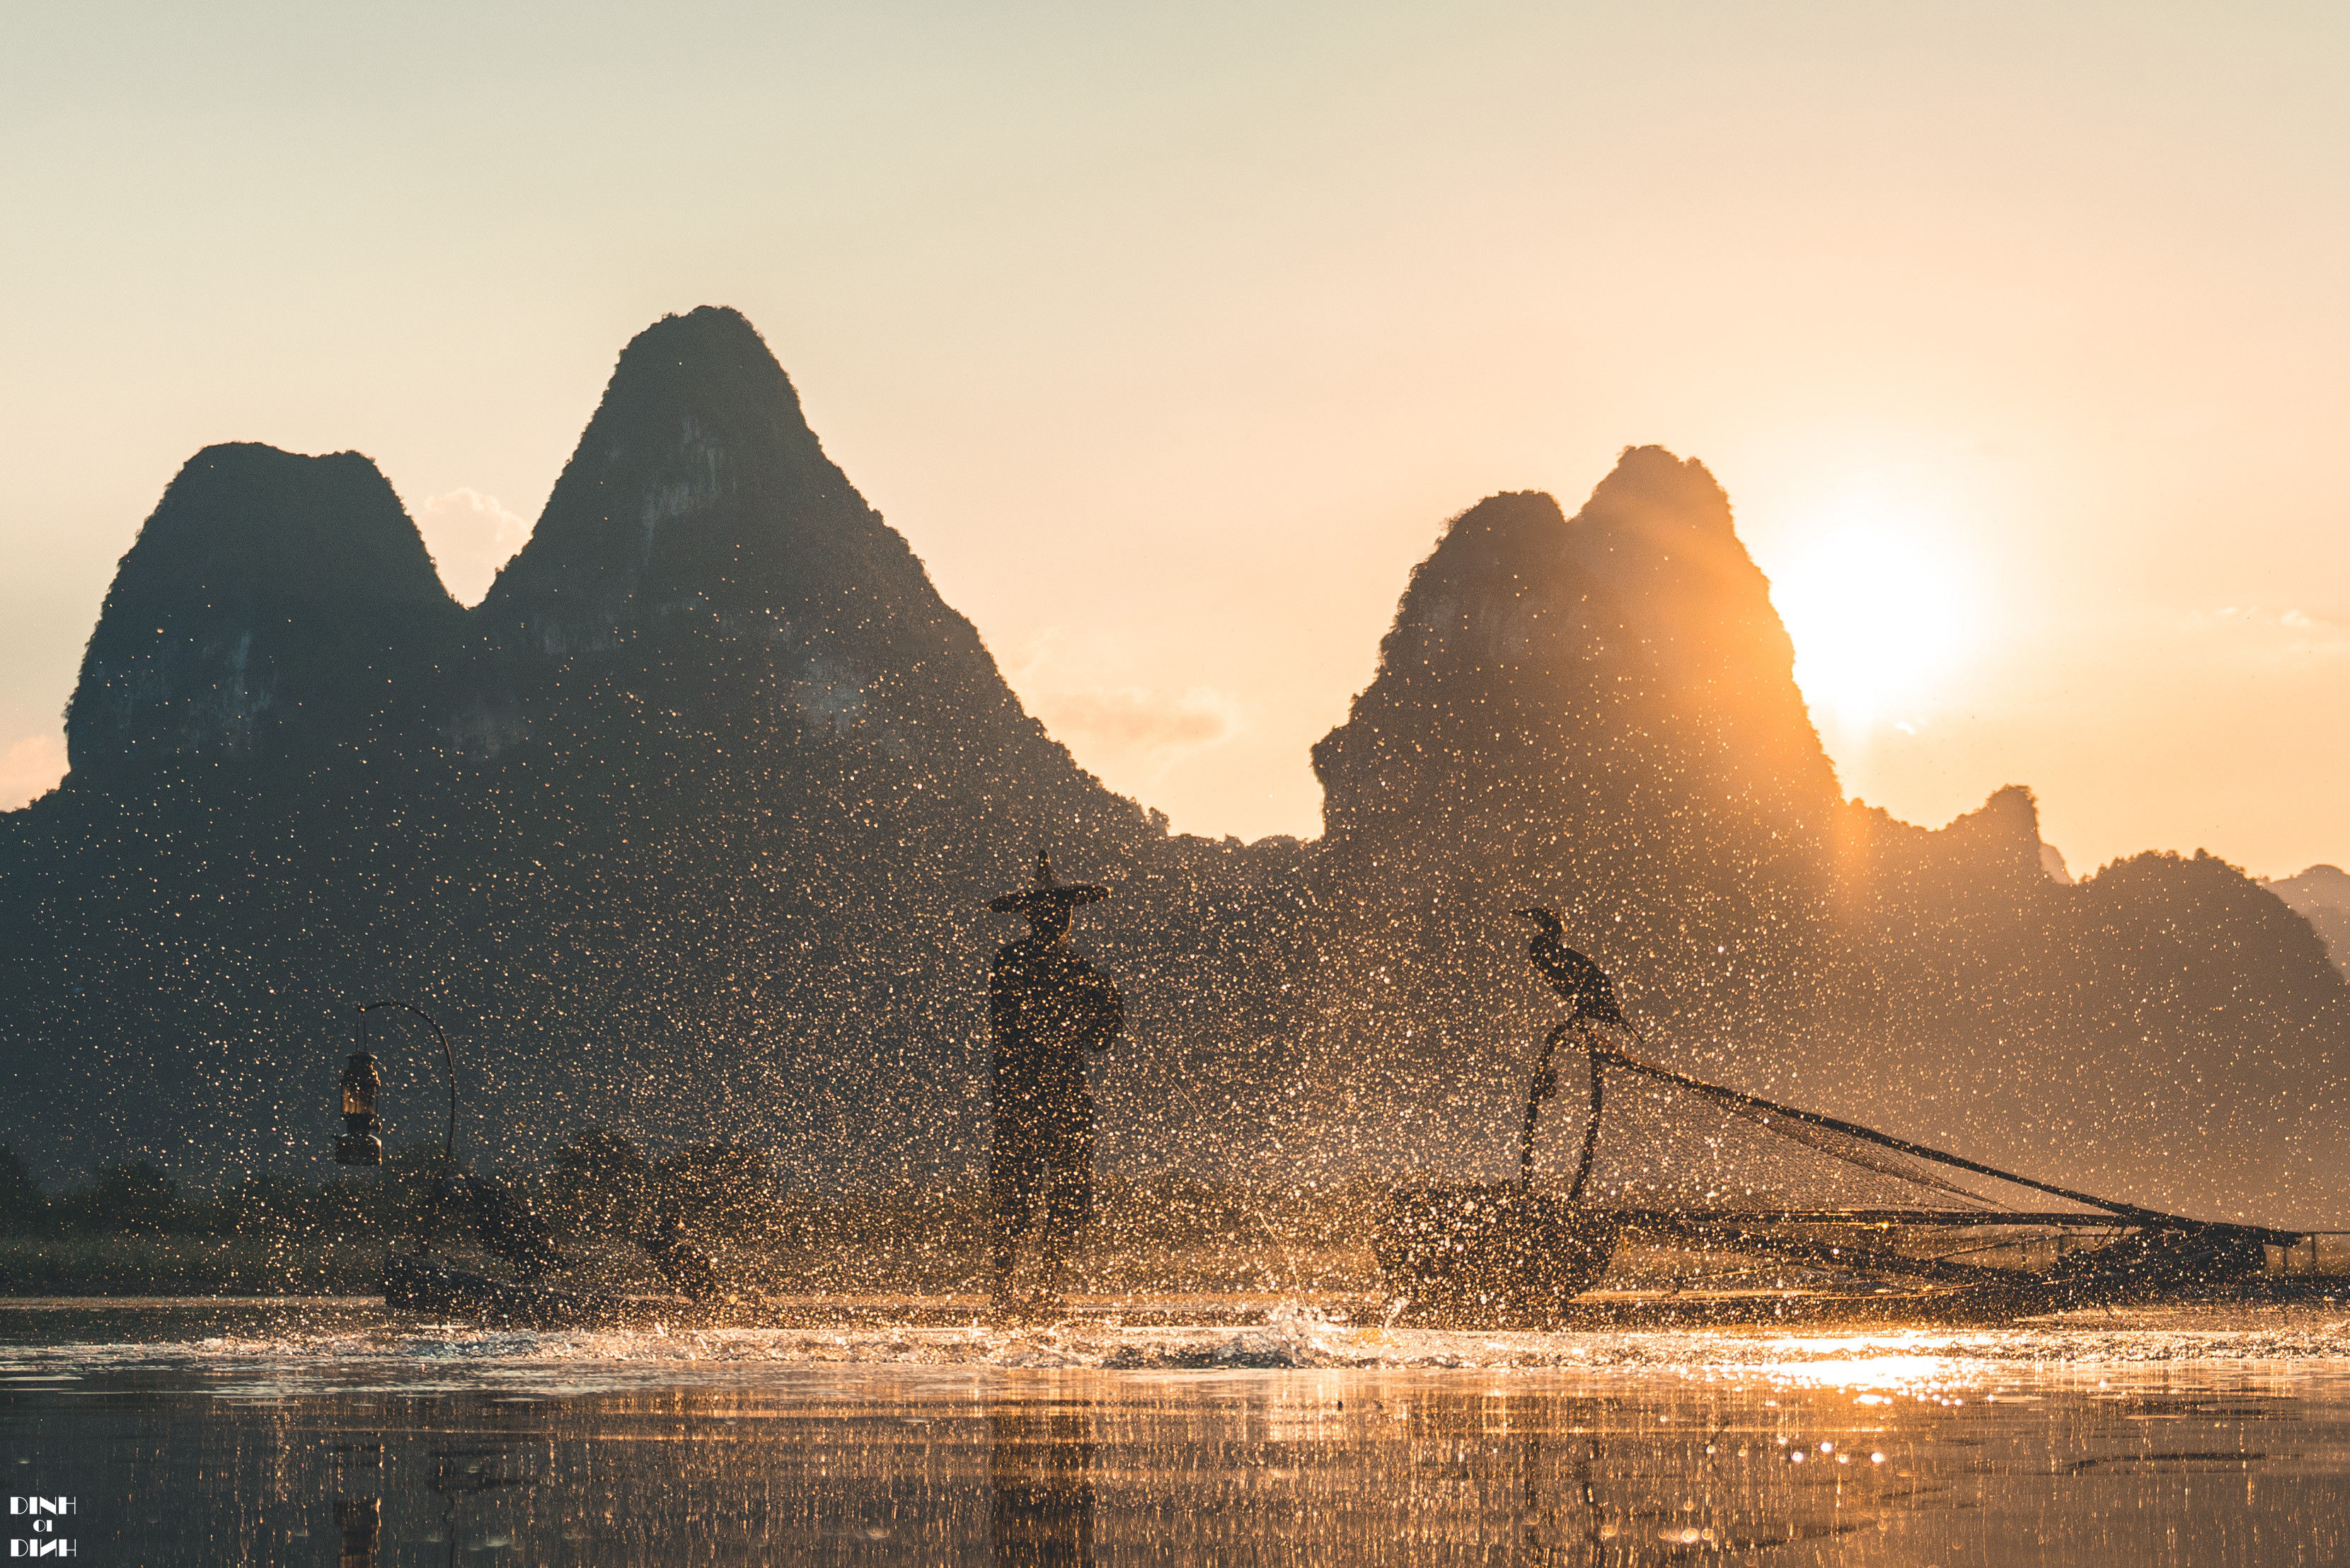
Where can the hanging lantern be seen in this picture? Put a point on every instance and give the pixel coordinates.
(359, 1144)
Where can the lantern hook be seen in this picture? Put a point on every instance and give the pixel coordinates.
(448, 1059)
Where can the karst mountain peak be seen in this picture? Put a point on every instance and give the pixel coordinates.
(1641, 619)
(271, 599)
(697, 491)
(699, 541)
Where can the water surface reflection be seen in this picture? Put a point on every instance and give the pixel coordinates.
(309, 1447)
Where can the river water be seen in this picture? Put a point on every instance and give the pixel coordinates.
(321, 1432)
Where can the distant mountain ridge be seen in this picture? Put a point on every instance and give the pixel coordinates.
(696, 815)
(2321, 894)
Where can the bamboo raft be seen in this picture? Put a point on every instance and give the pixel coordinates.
(1504, 1253)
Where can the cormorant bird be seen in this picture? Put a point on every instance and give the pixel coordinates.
(1583, 985)
(1590, 995)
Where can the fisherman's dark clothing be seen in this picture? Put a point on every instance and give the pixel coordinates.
(1048, 1011)
(1584, 984)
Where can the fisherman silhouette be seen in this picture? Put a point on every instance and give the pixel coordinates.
(1048, 1011)
(1590, 995)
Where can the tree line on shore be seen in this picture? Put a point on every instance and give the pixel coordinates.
(598, 1184)
(602, 1186)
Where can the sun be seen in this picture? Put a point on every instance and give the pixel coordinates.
(1878, 616)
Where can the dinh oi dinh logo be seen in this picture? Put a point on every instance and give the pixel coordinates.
(38, 1525)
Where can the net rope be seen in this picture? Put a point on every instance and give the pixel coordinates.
(1670, 1143)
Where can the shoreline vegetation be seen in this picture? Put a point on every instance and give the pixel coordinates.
(134, 1231)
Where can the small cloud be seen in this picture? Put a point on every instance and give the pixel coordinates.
(1128, 734)
(30, 768)
(1133, 719)
(2265, 637)
(471, 536)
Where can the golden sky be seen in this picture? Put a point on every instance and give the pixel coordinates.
(1170, 336)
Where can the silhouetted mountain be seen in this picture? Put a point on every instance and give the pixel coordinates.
(699, 513)
(2321, 896)
(1599, 714)
(695, 817)
(2164, 1030)
(692, 822)
(272, 600)
(793, 776)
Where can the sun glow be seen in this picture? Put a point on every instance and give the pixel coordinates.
(1878, 615)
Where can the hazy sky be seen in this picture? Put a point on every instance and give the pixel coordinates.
(1170, 336)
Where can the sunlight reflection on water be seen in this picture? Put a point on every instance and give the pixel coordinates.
(199, 1434)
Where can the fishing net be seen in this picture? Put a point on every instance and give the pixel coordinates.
(1669, 1143)
(1706, 1186)
(1670, 1184)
